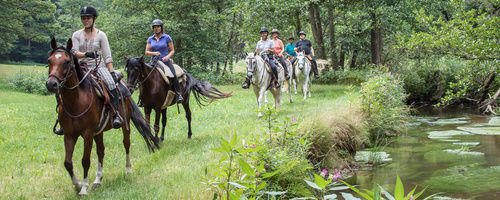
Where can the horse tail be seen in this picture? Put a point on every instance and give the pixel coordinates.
(143, 128)
(203, 91)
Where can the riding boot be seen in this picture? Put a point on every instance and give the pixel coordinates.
(287, 77)
(117, 120)
(177, 89)
(276, 82)
(246, 84)
(315, 69)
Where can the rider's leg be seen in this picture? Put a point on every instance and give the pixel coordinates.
(110, 83)
(283, 63)
(315, 67)
(275, 72)
(175, 81)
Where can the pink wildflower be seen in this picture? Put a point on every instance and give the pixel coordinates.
(323, 173)
(411, 198)
(293, 118)
(253, 146)
(336, 176)
(246, 147)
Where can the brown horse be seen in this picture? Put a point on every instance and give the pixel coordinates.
(154, 91)
(80, 110)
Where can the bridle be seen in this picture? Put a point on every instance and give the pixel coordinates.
(62, 82)
(141, 82)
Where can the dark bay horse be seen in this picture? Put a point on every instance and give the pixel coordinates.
(80, 110)
(154, 91)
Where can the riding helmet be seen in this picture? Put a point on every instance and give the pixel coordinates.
(264, 29)
(275, 31)
(302, 33)
(88, 11)
(157, 22)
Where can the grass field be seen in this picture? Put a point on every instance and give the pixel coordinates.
(31, 156)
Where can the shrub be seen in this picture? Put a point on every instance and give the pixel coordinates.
(334, 137)
(344, 77)
(217, 79)
(29, 81)
(382, 99)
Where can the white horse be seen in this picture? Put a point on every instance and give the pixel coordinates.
(261, 80)
(303, 74)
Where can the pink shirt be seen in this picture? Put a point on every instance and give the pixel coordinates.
(277, 47)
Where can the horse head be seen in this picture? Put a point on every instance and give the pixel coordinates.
(61, 65)
(133, 67)
(251, 64)
(301, 59)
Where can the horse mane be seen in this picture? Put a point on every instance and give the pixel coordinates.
(79, 73)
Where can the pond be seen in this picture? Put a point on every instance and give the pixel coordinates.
(458, 155)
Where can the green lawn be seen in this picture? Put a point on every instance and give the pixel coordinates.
(31, 158)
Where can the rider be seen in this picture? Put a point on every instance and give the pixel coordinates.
(289, 49)
(265, 46)
(278, 50)
(306, 46)
(91, 47)
(160, 45)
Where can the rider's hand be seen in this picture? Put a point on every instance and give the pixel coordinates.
(90, 55)
(164, 59)
(115, 78)
(157, 53)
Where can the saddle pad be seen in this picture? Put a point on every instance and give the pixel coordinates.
(178, 70)
(165, 77)
(268, 67)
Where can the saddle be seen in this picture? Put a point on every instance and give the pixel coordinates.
(103, 93)
(279, 68)
(166, 74)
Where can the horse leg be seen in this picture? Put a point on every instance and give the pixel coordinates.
(69, 146)
(87, 149)
(309, 87)
(304, 87)
(126, 144)
(100, 157)
(147, 115)
(262, 93)
(185, 104)
(157, 121)
(163, 123)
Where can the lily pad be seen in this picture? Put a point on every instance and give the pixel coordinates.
(445, 134)
(467, 143)
(438, 156)
(461, 120)
(465, 179)
(494, 121)
(369, 156)
(481, 130)
(460, 152)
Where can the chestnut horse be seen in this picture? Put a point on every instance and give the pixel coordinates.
(80, 110)
(154, 90)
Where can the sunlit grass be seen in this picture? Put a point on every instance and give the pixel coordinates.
(32, 157)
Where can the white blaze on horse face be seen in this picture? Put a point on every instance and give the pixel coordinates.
(58, 56)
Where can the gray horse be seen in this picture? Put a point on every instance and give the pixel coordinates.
(303, 74)
(261, 80)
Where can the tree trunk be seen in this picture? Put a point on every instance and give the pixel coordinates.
(315, 21)
(353, 59)
(376, 41)
(333, 53)
(342, 57)
(178, 46)
(229, 49)
(298, 27)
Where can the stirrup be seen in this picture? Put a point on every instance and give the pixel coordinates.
(59, 131)
(277, 84)
(117, 121)
(245, 85)
(179, 98)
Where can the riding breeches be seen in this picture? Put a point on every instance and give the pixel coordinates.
(106, 77)
(269, 59)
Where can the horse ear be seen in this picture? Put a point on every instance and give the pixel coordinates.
(141, 59)
(53, 43)
(69, 44)
(125, 58)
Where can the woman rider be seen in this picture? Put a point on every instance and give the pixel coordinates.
(91, 47)
(278, 50)
(160, 45)
(265, 46)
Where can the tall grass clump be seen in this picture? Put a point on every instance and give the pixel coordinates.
(335, 136)
(29, 81)
(383, 101)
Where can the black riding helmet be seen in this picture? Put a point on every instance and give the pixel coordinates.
(157, 22)
(264, 29)
(89, 11)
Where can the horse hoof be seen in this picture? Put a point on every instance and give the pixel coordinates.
(96, 185)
